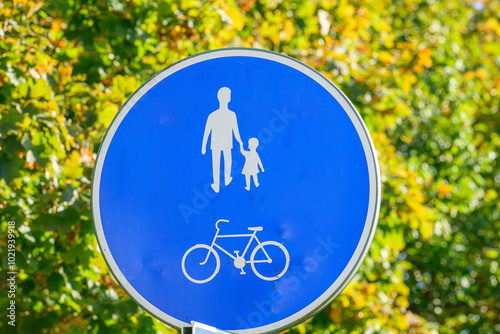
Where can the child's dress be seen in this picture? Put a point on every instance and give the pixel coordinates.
(252, 161)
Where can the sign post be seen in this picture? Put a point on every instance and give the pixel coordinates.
(238, 188)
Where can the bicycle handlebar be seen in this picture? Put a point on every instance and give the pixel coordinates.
(220, 220)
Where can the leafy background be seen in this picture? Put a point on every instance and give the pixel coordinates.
(423, 74)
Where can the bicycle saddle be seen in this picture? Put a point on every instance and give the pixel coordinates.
(258, 228)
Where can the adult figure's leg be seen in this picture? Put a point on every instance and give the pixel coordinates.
(228, 160)
(216, 169)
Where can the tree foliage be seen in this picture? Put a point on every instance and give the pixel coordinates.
(424, 74)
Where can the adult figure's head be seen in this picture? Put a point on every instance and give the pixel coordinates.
(224, 95)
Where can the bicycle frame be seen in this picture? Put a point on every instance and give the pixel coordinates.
(252, 237)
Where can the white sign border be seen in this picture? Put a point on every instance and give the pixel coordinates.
(373, 171)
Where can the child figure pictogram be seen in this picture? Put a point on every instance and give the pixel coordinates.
(252, 162)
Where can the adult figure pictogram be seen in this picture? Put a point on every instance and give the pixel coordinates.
(222, 125)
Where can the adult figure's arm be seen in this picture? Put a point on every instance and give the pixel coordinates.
(208, 129)
(236, 131)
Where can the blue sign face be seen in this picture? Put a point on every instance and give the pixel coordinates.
(237, 188)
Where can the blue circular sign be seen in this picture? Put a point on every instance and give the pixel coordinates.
(237, 188)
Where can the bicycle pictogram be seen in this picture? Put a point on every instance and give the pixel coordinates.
(269, 259)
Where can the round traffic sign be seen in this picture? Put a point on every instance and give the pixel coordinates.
(237, 188)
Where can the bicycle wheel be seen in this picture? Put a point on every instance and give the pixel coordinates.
(270, 260)
(200, 263)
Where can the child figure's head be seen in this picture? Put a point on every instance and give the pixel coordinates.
(253, 143)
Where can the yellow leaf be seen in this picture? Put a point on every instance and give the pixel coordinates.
(56, 26)
(329, 41)
(337, 56)
(71, 166)
(40, 90)
(444, 190)
(122, 87)
(52, 105)
(395, 240)
(424, 58)
(419, 209)
(302, 328)
(481, 74)
(227, 35)
(411, 78)
(406, 56)
(107, 113)
(426, 229)
(401, 322)
(365, 35)
(469, 75)
(385, 57)
(335, 315)
(359, 301)
(186, 4)
(493, 25)
(371, 288)
(490, 195)
(238, 19)
(289, 30)
(402, 301)
(345, 10)
(418, 68)
(350, 34)
(406, 86)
